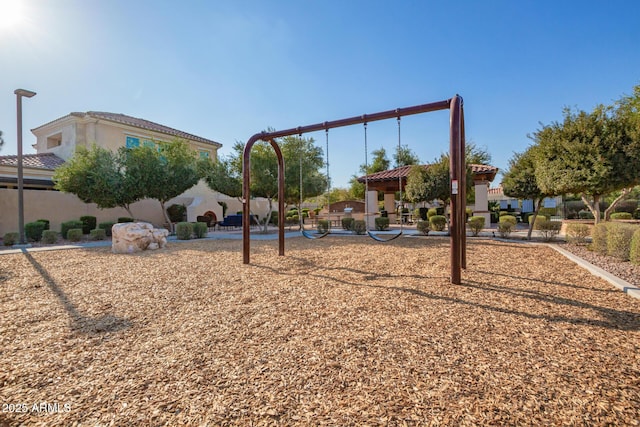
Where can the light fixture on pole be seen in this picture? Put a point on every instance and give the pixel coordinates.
(19, 94)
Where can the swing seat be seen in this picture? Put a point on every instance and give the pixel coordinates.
(377, 237)
(311, 236)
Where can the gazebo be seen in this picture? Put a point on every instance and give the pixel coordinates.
(389, 181)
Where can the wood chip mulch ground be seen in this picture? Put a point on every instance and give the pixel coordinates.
(341, 331)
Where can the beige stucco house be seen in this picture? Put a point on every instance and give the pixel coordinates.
(57, 141)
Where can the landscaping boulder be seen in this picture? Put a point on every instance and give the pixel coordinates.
(130, 237)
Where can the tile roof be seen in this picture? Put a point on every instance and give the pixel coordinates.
(403, 172)
(34, 161)
(138, 123)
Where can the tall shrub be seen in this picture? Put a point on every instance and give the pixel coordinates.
(33, 230)
(599, 238)
(88, 223)
(634, 254)
(619, 240)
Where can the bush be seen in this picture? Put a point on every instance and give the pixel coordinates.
(578, 233)
(621, 215)
(431, 212)
(510, 219)
(97, 234)
(347, 223)
(106, 226)
(74, 234)
(88, 223)
(636, 214)
(628, 206)
(539, 219)
(634, 253)
(200, 229)
(177, 213)
(526, 216)
(359, 226)
(585, 215)
(423, 227)
(49, 237)
(547, 212)
(46, 223)
(437, 222)
(599, 238)
(476, 224)
(66, 226)
(125, 219)
(10, 239)
(548, 229)
(184, 230)
(382, 223)
(323, 226)
(505, 228)
(619, 240)
(33, 230)
(274, 218)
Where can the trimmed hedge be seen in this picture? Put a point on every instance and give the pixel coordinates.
(619, 240)
(200, 229)
(46, 223)
(423, 227)
(621, 215)
(49, 237)
(476, 224)
(10, 239)
(125, 219)
(97, 234)
(505, 228)
(382, 223)
(74, 234)
(359, 226)
(184, 230)
(88, 223)
(634, 253)
(66, 226)
(599, 238)
(538, 218)
(431, 212)
(508, 218)
(548, 229)
(578, 233)
(106, 226)
(33, 230)
(437, 222)
(347, 223)
(176, 213)
(323, 226)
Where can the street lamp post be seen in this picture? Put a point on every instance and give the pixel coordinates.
(19, 94)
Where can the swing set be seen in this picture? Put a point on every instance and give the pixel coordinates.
(457, 175)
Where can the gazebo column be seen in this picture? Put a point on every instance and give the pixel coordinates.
(372, 208)
(482, 201)
(390, 206)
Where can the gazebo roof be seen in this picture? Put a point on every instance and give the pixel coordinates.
(388, 180)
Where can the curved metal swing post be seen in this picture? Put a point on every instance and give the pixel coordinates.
(375, 236)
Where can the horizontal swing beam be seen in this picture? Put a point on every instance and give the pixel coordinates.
(365, 118)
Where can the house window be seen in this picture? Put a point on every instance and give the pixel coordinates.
(133, 142)
(204, 154)
(54, 140)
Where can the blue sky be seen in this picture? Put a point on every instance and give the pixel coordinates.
(226, 70)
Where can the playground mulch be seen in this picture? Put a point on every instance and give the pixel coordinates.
(341, 331)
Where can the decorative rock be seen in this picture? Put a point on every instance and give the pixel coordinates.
(130, 237)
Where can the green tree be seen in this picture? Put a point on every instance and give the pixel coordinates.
(163, 173)
(97, 176)
(379, 163)
(591, 154)
(405, 156)
(520, 182)
(416, 187)
(227, 177)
